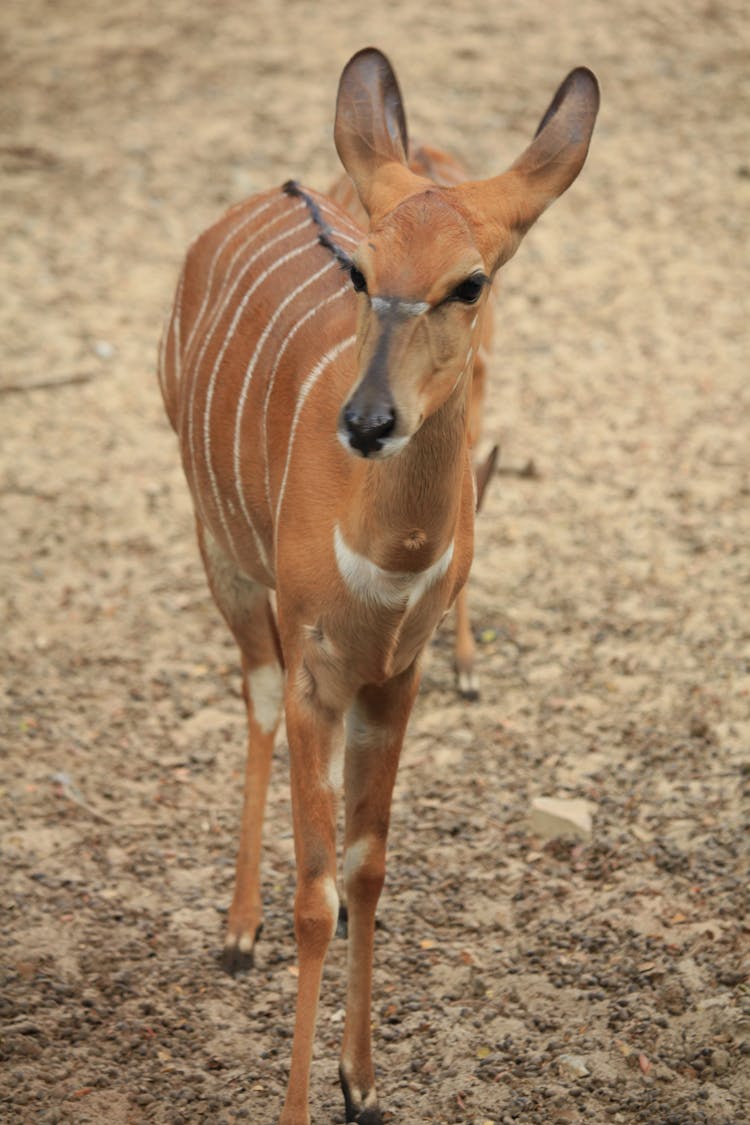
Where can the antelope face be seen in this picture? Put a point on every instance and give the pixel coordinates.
(422, 285)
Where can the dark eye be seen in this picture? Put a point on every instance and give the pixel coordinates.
(468, 292)
(358, 280)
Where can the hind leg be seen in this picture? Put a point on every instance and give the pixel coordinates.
(465, 649)
(246, 608)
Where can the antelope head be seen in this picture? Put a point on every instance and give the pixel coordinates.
(424, 269)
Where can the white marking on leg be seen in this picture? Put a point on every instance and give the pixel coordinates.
(265, 689)
(389, 588)
(468, 682)
(370, 1100)
(356, 856)
(336, 768)
(329, 358)
(246, 943)
(332, 900)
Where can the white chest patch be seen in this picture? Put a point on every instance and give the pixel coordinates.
(391, 589)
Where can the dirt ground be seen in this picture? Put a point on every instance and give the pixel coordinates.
(516, 980)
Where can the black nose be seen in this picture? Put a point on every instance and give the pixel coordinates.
(367, 431)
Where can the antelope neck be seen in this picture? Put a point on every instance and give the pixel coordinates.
(403, 512)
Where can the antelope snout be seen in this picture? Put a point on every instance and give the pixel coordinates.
(366, 432)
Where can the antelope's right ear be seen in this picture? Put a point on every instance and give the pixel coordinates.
(370, 130)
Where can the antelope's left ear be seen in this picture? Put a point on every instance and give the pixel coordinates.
(556, 155)
(549, 165)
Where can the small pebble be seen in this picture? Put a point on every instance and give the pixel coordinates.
(572, 1066)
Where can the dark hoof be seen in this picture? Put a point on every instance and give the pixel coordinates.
(370, 1115)
(237, 961)
(342, 925)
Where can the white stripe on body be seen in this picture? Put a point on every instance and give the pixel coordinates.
(287, 341)
(212, 387)
(176, 328)
(232, 233)
(312, 378)
(160, 361)
(227, 280)
(250, 371)
(391, 589)
(222, 303)
(469, 356)
(351, 238)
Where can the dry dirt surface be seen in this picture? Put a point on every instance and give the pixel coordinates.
(517, 980)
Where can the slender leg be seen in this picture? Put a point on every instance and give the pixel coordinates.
(262, 685)
(375, 733)
(246, 609)
(313, 733)
(466, 677)
(465, 649)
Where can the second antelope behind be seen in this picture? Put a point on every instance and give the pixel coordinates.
(318, 378)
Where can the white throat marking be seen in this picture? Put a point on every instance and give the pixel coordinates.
(392, 589)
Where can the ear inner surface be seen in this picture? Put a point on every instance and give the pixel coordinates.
(511, 202)
(370, 130)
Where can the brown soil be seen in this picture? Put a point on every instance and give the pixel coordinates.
(610, 589)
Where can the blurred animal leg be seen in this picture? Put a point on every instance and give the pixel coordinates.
(246, 608)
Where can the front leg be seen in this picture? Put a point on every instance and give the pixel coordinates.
(375, 732)
(313, 733)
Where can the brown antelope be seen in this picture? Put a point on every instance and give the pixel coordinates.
(319, 382)
(443, 169)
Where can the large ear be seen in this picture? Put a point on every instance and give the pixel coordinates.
(556, 155)
(549, 165)
(370, 130)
